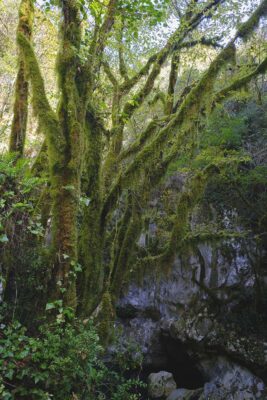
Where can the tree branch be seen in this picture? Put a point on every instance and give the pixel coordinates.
(192, 104)
(46, 116)
(172, 82)
(199, 97)
(247, 28)
(110, 74)
(143, 138)
(122, 65)
(213, 42)
(241, 82)
(105, 29)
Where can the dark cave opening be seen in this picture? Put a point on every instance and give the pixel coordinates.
(177, 361)
(183, 367)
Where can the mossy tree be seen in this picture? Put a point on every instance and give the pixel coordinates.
(87, 156)
(20, 115)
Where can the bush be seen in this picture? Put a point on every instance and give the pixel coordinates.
(62, 362)
(22, 265)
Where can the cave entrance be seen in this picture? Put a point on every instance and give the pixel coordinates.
(177, 361)
(183, 367)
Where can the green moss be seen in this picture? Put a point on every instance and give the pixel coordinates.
(91, 242)
(47, 119)
(64, 137)
(105, 318)
(182, 122)
(120, 273)
(172, 82)
(20, 113)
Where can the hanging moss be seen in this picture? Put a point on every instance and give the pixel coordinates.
(41, 163)
(172, 82)
(48, 121)
(143, 138)
(120, 234)
(91, 242)
(105, 318)
(121, 267)
(64, 136)
(186, 203)
(239, 83)
(138, 99)
(183, 120)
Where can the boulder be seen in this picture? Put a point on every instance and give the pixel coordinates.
(229, 381)
(160, 384)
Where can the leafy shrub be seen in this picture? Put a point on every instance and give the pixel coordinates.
(22, 267)
(62, 362)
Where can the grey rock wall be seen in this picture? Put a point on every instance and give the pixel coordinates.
(174, 308)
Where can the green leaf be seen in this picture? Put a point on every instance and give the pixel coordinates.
(4, 238)
(21, 205)
(85, 200)
(49, 306)
(69, 187)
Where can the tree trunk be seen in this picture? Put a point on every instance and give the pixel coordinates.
(91, 242)
(20, 110)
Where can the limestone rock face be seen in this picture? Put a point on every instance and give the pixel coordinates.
(160, 384)
(145, 308)
(209, 335)
(228, 380)
(180, 318)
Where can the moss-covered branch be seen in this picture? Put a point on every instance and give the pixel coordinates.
(41, 161)
(66, 181)
(119, 236)
(186, 114)
(175, 42)
(212, 42)
(110, 74)
(183, 95)
(131, 232)
(146, 135)
(188, 199)
(247, 28)
(98, 45)
(122, 64)
(239, 83)
(91, 280)
(129, 84)
(47, 118)
(196, 18)
(138, 99)
(183, 121)
(172, 82)
(199, 97)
